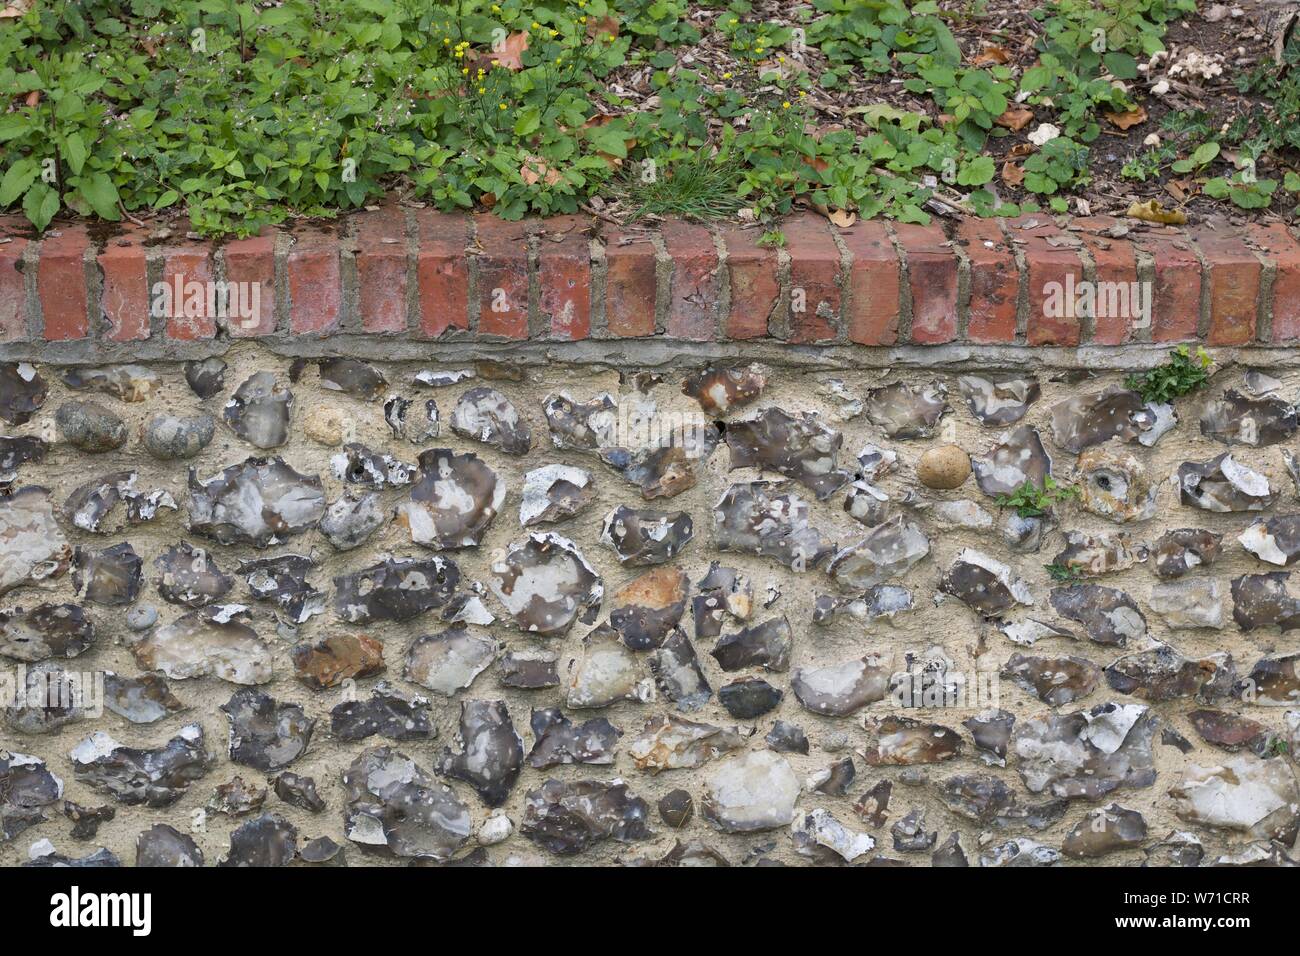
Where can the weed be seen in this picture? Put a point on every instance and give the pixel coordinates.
(1184, 372)
(1034, 501)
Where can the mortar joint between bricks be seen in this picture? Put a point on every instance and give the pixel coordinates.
(1146, 273)
(723, 309)
(599, 283)
(473, 279)
(1206, 291)
(964, 284)
(1022, 284)
(778, 321)
(280, 277)
(1088, 318)
(31, 294)
(663, 283)
(843, 279)
(905, 304)
(350, 318)
(412, 234)
(538, 324)
(220, 323)
(1264, 303)
(154, 265)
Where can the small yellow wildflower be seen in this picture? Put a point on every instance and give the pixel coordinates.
(785, 105)
(726, 76)
(501, 106)
(482, 89)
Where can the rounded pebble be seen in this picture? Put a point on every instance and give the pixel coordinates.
(676, 807)
(177, 436)
(142, 617)
(946, 466)
(90, 426)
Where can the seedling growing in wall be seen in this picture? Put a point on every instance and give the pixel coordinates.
(1034, 501)
(1184, 372)
(1063, 573)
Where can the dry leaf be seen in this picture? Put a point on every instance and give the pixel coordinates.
(838, 217)
(1020, 151)
(990, 54)
(1152, 211)
(1129, 118)
(598, 25)
(1012, 174)
(1179, 189)
(511, 53)
(15, 8)
(1015, 118)
(535, 170)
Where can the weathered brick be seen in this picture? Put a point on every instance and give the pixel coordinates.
(630, 283)
(251, 264)
(1054, 273)
(1234, 274)
(13, 300)
(875, 281)
(1176, 294)
(994, 282)
(315, 281)
(502, 265)
(754, 284)
(442, 271)
(932, 277)
(693, 304)
(1282, 250)
(187, 272)
(124, 298)
(61, 283)
(1118, 302)
(381, 269)
(564, 277)
(814, 279)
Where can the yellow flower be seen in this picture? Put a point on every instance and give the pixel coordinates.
(726, 76)
(803, 92)
(582, 19)
(501, 106)
(482, 89)
(734, 21)
(554, 33)
(536, 25)
(785, 105)
(465, 71)
(446, 41)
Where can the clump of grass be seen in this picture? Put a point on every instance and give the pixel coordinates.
(1034, 501)
(1184, 372)
(698, 187)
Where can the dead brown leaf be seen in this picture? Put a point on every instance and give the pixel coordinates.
(1015, 118)
(838, 217)
(1020, 151)
(598, 25)
(1012, 174)
(1128, 118)
(990, 55)
(511, 53)
(15, 8)
(1153, 211)
(535, 171)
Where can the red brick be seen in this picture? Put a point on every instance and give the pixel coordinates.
(1235, 272)
(1281, 248)
(1115, 318)
(932, 277)
(814, 272)
(755, 286)
(252, 261)
(185, 263)
(875, 281)
(442, 272)
(630, 283)
(124, 298)
(1176, 309)
(61, 283)
(315, 282)
(13, 302)
(502, 266)
(381, 269)
(564, 277)
(994, 282)
(693, 303)
(1054, 274)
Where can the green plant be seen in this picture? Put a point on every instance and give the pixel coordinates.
(1185, 372)
(1060, 164)
(1063, 573)
(697, 187)
(1034, 501)
(772, 239)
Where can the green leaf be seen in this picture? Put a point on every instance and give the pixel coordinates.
(17, 178)
(1121, 65)
(528, 121)
(74, 151)
(977, 171)
(40, 204)
(98, 190)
